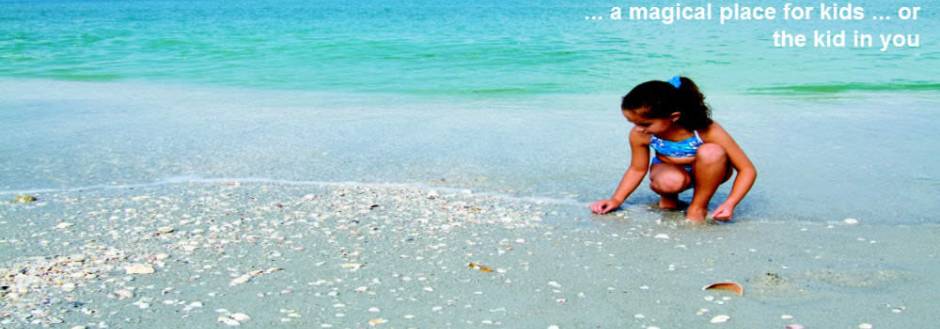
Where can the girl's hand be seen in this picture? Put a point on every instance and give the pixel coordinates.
(724, 212)
(604, 206)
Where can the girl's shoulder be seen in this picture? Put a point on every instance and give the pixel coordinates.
(639, 138)
(713, 130)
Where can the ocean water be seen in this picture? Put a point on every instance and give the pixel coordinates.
(324, 164)
(468, 48)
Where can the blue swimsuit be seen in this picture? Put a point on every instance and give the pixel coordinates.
(682, 149)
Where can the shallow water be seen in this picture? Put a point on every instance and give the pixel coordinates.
(867, 156)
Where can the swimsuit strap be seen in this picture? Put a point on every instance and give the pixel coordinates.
(653, 138)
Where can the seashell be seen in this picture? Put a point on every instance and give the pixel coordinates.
(351, 266)
(240, 317)
(124, 294)
(726, 286)
(68, 287)
(139, 269)
(228, 321)
(240, 280)
(24, 198)
(720, 319)
(480, 267)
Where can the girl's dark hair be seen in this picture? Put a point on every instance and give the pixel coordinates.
(659, 99)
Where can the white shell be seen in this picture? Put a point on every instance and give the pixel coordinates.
(229, 321)
(139, 269)
(720, 318)
(240, 317)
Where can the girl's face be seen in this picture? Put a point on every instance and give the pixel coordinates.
(650, 126)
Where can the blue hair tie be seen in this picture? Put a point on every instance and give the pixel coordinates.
(675, 81)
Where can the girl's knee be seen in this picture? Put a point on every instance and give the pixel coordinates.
(668, 183)
(711, 153)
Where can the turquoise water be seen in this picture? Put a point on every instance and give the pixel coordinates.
(478, 48)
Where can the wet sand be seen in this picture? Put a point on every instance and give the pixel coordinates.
(348, 255)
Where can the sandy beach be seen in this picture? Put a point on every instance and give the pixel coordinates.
(309, 254)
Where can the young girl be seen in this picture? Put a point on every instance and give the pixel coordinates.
(690, 150)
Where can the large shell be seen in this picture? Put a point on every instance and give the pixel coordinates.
(726, 286)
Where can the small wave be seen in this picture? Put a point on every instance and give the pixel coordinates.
(845, 87)
(261, 180)
(502, 91)
(756, 219)
(74, 75)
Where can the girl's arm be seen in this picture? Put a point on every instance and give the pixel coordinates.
(639, 164)
(746, 175)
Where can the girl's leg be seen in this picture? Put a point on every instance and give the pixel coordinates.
(710, 169)
(668, 180)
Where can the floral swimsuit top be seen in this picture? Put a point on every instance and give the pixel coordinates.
(682, 149)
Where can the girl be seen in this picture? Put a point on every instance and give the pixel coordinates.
(690, 150)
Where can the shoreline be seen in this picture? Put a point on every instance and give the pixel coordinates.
(647, 210)
(73, 135)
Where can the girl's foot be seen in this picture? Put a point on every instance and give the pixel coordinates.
(668, 203)
(696, 214)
